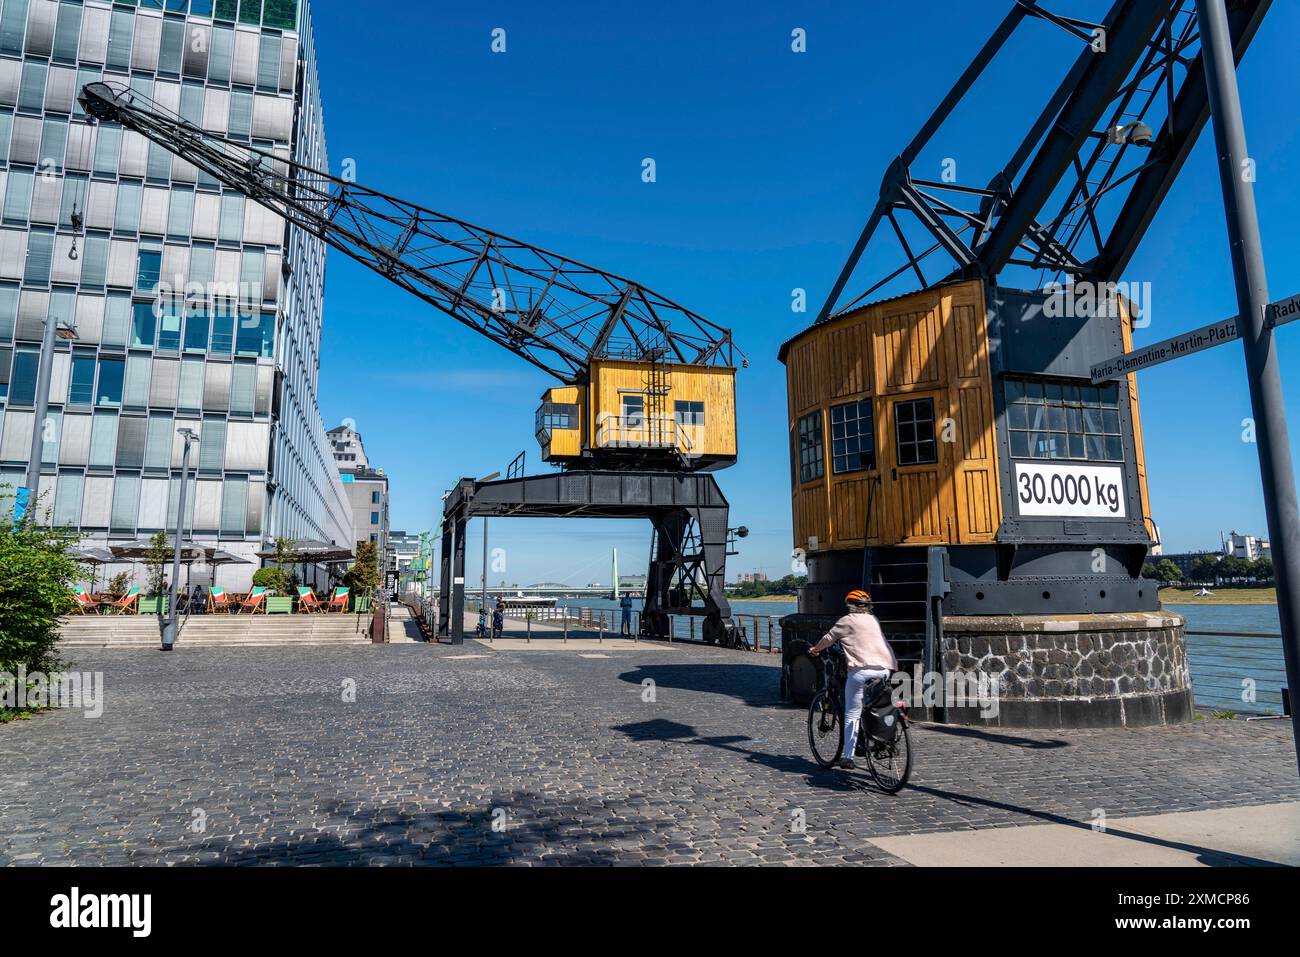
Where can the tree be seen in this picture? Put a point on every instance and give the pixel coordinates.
(1205, 569)
(155, 562)
(364, 573)
(1168, 572)
(1233, 568)
(37, 570)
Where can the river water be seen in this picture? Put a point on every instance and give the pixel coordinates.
(1229, 672)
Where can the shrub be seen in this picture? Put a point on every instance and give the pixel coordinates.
(273, 578)
(118, 584)
(36, 575)
(155, 563)
(364, 573)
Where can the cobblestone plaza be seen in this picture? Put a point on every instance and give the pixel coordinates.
(480, 755)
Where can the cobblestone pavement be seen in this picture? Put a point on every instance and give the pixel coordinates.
(476, 755)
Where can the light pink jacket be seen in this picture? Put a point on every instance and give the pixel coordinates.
(864, 643)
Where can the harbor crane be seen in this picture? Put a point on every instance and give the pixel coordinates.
(645, 408)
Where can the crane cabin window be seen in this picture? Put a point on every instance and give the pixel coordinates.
(556, 415)
(853, 439)
(812, 464)
(914, 432)
(1062, 420)
(688, 412)
(633, 411)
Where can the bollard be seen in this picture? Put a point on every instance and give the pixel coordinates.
(566, 629)
(692, 628)
(529, 639)
(600, 636)
(769, 636)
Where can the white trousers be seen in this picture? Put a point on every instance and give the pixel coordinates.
(854, 687)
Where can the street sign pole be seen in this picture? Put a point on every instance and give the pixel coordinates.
(1280, 505)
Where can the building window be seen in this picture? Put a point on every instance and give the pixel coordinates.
(196, 331)
(633, 411)
(81, 389)
(1055, 420)
(914, 432)
(143, 323)
(374, 518)
(853, 438)
(110, 382)
(811, 453)
(22, 385)
(256, 335)
(688, 413)
(148, 269)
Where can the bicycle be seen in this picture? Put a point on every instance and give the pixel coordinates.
(883, 737)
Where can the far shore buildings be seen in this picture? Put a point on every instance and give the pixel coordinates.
(366, 490)
(143, 363)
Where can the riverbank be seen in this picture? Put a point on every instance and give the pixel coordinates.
(788, 599)
(1222, 596)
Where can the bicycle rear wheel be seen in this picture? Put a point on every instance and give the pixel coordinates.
(825, 729)
(891, 764)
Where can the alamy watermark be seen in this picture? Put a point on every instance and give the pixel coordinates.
(58, 689)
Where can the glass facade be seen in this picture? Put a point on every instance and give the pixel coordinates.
(193, 307)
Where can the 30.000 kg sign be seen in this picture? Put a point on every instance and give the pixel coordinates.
(1080, 491)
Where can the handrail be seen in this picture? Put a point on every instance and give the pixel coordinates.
(643, 431)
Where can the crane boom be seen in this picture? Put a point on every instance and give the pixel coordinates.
(1087, 178)
(556, 312)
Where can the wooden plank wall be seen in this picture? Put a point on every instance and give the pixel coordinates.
(931, 343)
(715, 386)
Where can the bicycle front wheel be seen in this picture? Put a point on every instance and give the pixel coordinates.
(891, 764)
(825, 730)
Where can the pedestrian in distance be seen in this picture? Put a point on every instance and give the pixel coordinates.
(625, 603)
(498, 618)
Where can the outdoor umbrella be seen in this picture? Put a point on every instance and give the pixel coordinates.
(312, 551)
(138, 551)
(216, 557)
(94, 557)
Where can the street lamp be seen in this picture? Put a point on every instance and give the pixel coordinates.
(43, 375)
(169, 628)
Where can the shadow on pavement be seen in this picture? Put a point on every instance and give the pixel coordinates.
(519, 827)
(994, 737)
(755, 685)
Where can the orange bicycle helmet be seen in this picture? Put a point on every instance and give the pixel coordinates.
(857, 597)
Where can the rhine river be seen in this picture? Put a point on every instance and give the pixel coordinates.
(1227, 670)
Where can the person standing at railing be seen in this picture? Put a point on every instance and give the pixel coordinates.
(498, 618)
(625, 605)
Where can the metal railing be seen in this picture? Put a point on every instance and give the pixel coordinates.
(1236, 671)
(644, 432)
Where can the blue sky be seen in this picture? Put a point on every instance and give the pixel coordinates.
(767, 164)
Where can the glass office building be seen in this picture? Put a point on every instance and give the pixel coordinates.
(193, 307)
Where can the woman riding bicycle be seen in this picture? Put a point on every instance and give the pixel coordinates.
(868, 657)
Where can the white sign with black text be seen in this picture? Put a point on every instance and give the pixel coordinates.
(1077, 491)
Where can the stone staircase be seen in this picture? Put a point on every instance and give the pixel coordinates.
(209, 631)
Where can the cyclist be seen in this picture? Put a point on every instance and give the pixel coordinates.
(868, 656)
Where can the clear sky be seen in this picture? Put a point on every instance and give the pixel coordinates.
(768, 162)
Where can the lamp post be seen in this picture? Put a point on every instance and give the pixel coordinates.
(169, 628)
(45, 366)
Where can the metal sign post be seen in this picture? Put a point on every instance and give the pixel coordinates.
(1280, 505)
(1198, 340)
